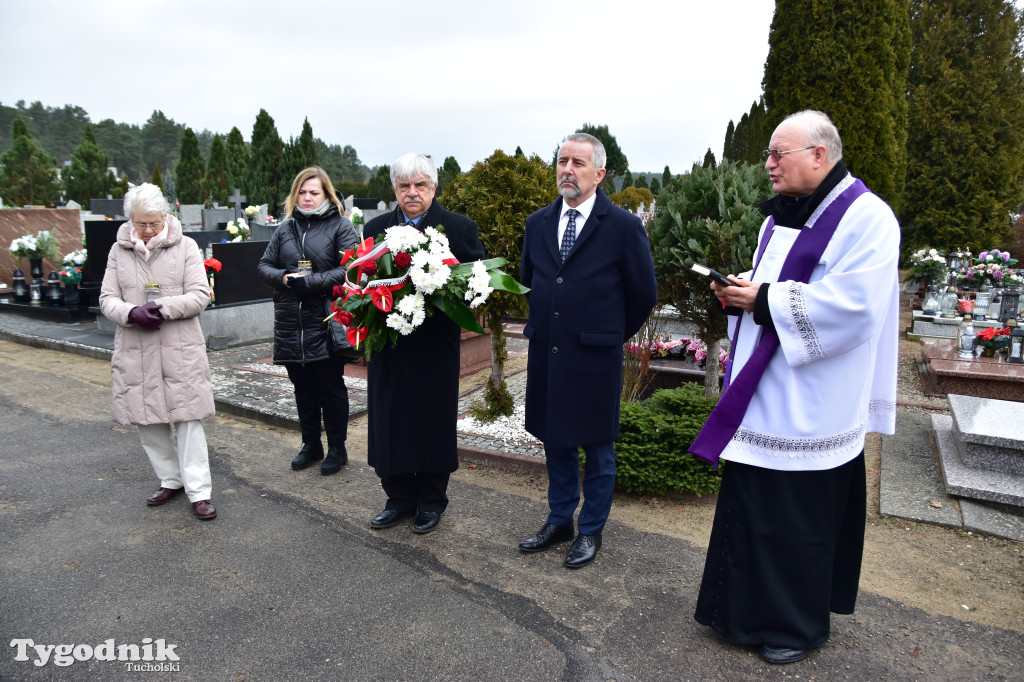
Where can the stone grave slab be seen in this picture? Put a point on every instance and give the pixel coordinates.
(935, 326)
(237, 281)
(964, 481)
(191, 217)
(258, 232)
(988, 433)
(982, 519)
(943, 373)
(216, 218)
(111, 208)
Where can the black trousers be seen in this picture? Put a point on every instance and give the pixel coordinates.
(785, 550)
(416, 492)
(320, 393)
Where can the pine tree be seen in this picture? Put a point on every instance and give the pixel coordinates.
(237, 158)
(448, 171)
(86, 177)
(379, 185)
(264, 182)
(849, 60)
(727, 148)
(215, 182)
(519, 152)
(157, 179)
(640, 181)
(301, 153)
(666, 178)
(161, 140)
(28, 174)
(655, 186)
(188, 174)
(709, 160)
(966, 131)
(617, 164)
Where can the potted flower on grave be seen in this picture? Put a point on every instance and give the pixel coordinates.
(75, 259)
(390, 288)
(992, 339)
(927, 266)
(35, 249)
(991, 267)
(252, 211)
(70, 277)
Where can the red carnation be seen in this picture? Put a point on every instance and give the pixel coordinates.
(369, 267)
(402, 259)
(212, 264)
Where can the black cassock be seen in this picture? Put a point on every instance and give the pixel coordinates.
(413, 386)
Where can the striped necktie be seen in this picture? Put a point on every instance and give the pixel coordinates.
(569, 237)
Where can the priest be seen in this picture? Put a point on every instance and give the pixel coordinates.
(812, 369)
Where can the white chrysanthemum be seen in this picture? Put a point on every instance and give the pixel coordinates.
(410, 304)
(403, 238)
(438, 242)
(418, 316)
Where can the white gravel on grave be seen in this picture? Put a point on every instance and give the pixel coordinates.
(509, 430)
(278, 370)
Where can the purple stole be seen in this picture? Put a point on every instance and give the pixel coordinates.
(806, 252)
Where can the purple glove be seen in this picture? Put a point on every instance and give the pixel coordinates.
(153, 307)
(147, 319)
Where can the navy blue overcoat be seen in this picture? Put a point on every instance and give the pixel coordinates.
(581, 313)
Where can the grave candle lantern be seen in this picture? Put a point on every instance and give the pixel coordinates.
(948, 303)
(53, 293)
(931, 301)
(1016, 350)
(20, 288)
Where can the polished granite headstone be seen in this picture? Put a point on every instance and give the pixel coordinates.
(981, 449)
(943, 372)
(936, 326)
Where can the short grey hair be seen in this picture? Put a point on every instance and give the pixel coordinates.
(600, 155)
(819, 129)
(413, 165)
(145, 199)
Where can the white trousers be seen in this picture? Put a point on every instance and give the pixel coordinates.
(179, 456)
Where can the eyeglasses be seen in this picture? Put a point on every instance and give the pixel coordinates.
(777, 153)
(149, 227)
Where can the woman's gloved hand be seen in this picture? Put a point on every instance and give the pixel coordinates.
(146, 316)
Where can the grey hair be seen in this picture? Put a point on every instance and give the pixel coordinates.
(145, 199)
(600, 155)
(413, 165)
(819, 129)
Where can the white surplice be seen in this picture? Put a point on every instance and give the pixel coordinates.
(833, 379)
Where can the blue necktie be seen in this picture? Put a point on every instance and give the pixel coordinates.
(569, 237)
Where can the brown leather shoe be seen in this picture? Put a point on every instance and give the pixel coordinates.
(204, 510)
(163, 496)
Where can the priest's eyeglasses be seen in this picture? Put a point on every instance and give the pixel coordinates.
(776, 154)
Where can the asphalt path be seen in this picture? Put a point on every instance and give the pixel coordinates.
(289, 581)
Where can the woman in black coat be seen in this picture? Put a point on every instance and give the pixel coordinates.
(315, 230)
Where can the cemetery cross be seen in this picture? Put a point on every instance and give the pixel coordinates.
(237, 200)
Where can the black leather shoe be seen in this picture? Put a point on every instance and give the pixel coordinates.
(426, 521)
(548, 536)
(310, 454)
(336, 458)
(779, 654)
(583, 551)
(388, 518)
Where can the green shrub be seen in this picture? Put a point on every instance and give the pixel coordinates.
(651, 453)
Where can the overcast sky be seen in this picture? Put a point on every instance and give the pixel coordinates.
(447, 78)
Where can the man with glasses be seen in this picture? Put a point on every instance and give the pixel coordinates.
(812, 370)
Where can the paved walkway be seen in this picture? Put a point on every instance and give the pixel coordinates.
(247, 384)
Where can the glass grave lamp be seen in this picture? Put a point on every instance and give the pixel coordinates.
(981, 304)
(965, 340)
(20, 288)
(955, 260)
(1015, 353)
(948, 302)
(930, 306)
(1009, 305)
(53, 293)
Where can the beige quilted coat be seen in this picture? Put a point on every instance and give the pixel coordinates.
(158, 376)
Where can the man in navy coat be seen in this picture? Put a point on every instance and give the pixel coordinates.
(588, 264)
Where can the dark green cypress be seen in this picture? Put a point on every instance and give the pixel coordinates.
(849, 60)
(86, 177)
(188, 173)
(264, 183)
(238, 158)
(966, 94)
(215, 182)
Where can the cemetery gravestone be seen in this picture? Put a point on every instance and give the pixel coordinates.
(191, 217)
(216, 218)
(111, 208)
(237, 281)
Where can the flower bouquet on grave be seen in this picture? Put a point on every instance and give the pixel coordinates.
(40, 246)
(993, 267)
(71, 275)
(927, 265)
(392, 287)
(252, 211)
(213, 266)
(75, 259)
(239, 230)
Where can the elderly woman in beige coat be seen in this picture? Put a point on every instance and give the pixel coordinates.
(159, 373)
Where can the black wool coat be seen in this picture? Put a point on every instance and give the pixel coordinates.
(413, 394)
(581, 312)
(300, 333)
